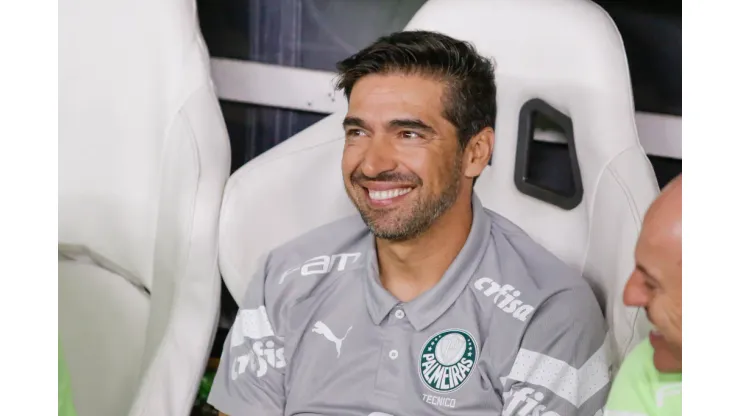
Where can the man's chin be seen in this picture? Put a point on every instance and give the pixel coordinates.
(387, 231)
(390, 227)
(666, 362)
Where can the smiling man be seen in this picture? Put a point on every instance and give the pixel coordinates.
(425, 302)
(650, 381)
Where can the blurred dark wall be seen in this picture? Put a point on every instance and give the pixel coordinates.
(316, 34)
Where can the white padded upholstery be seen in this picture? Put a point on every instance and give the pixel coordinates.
(143, 161)
(566, 52)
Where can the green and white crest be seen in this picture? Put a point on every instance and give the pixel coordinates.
(447, 359)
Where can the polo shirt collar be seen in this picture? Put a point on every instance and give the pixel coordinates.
(430, 305)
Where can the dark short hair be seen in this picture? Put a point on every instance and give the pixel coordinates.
(470, 101)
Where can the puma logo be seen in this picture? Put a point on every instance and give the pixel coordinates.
(321, 328)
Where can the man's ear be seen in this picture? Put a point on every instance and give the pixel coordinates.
(478, 152)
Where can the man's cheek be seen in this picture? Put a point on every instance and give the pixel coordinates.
(674, 340)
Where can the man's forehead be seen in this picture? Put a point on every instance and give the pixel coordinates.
(661, 235)
(662, 228)
(378, 99)
(658, 249)
(665, 212)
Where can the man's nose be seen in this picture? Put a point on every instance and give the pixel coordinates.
(379, 157)
(635, 292)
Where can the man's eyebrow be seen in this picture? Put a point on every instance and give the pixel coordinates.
(647, 274)
(354, 122)
(414, 124)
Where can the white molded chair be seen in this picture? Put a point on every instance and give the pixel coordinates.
(143, 161)
(567, 53)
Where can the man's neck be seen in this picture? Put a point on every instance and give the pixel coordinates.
(412, 267)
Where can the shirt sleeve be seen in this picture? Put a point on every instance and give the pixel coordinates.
(562, 365)
(249, 379)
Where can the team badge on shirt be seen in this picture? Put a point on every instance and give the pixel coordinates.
(447, 359)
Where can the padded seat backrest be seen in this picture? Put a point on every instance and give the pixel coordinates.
(143, 160)
(563, 59)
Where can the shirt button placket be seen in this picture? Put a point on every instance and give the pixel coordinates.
(390, 378)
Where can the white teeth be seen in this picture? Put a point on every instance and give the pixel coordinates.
(388, 194)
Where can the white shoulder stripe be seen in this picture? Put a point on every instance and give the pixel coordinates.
(668, 390)
(620, 413)
(574, 385)
(251, 323)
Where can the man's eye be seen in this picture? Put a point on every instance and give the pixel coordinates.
(354, 133)
(410, 135)
(650, 284)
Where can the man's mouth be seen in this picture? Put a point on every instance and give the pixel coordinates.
(656, 337)
(387, 194)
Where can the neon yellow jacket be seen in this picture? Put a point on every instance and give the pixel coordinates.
(640, 390)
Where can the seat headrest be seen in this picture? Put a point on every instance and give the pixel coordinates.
(561, 58)
(120, 91)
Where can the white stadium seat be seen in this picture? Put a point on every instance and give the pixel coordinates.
(143, 161)
(568, 57)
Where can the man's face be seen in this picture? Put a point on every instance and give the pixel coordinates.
(401, 162)
(656, 286)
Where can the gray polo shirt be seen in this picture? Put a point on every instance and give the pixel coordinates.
(508, 330)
